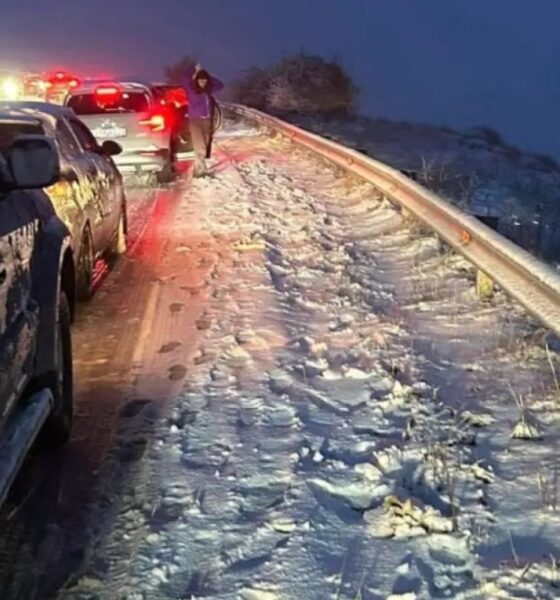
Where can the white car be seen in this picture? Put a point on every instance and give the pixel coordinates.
(130, 114)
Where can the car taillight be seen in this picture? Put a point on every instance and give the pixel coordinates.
(155, 122)
(73, 83)
(107, 91)
(107, 95)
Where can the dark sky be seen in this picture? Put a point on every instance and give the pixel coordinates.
(456, 62)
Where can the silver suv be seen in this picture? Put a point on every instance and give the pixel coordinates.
(130, 114)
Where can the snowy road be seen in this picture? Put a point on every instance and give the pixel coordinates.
(286, 391)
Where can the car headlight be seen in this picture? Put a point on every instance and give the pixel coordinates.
(11, 88)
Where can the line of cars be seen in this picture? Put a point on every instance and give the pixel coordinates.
(148, 120)
(63, 207)
(65, 145)
(49, 87)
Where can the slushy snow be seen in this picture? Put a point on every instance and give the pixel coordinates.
(347, 427)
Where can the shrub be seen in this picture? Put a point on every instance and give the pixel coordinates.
(546, 162)
(511, 151)
(251, 88)
(303, 83)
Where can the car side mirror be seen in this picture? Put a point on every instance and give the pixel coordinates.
(110, 148)
(33, 162)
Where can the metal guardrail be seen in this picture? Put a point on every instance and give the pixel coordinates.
(530, 281)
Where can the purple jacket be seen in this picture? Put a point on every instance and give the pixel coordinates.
(200, 104)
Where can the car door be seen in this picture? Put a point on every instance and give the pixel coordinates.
(108, 178)
(80, 174)
(19, 226)
(6, 316)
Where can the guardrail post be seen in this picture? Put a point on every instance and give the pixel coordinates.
(484, 285)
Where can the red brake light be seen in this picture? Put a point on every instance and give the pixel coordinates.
(107, 91)
(107, 95)
(156, 122)
(62, 78)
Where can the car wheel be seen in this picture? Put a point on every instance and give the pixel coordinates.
(217, 116)
(167, 174)
(57, 429)
(86, 264)
(118, 243)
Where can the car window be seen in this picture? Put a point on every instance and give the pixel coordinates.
(68, 143)
(9, 131)
(174, 95)
(159, 93)
(127, 102)
(84, 136)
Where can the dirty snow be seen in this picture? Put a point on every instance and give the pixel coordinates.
(348, 426)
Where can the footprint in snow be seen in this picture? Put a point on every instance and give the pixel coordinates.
(203, 323)
(132, 408)
(169, 347)
(177, 372)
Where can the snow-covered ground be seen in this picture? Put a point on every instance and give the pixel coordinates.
(354, 422)
(473, 169)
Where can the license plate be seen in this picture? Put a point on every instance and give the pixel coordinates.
(104, 133)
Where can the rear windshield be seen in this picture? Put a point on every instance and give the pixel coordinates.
(128, 102)
(10, 131)
(171, 94)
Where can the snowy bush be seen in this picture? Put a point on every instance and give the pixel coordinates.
(252, 88)
(303, 83)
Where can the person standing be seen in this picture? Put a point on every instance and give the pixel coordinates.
(201, 86)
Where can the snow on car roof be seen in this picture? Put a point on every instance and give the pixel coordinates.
(18, 117)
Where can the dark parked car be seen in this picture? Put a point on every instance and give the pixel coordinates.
(89, 195)
(37, 292)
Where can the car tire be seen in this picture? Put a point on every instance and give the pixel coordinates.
(167, 174)
(217, 116)
(57, 429)
(119, 243)
(86, 265)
